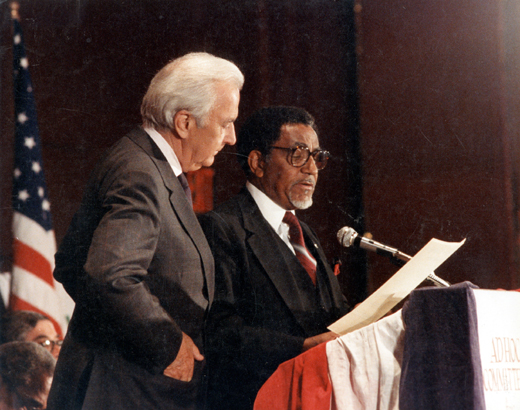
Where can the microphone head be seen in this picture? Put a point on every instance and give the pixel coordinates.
(346, 236)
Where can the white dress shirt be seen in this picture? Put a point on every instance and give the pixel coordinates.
(166, 149)
(272, 212)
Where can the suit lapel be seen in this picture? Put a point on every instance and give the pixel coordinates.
(187, 218)
(180, 205)
(312, 243)
(279, 263)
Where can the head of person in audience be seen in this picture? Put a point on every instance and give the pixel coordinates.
(28, 326)
(279, 150)
(26, 371)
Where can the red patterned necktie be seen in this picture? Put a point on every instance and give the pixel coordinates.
(296, 239)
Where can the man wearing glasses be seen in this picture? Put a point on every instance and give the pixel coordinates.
(275, 292)
(29, 326)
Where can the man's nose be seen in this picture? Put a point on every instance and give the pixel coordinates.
(310, 167)
(56, 351)
(230, 138)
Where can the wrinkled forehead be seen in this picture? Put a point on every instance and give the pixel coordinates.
(298, 134)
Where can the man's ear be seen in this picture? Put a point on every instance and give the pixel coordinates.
(183, 121)
(256, 163)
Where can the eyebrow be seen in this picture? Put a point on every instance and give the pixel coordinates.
(32, 403)
(43, 336)
(28, 401)
(303, 145)
(299, 144)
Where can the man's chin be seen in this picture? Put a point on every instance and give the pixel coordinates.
(206, 163)
(193, 167)
(302, 204)
(209, 162)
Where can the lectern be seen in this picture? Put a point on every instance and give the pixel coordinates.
(459, 350)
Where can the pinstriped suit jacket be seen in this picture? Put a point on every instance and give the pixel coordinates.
(140, 270)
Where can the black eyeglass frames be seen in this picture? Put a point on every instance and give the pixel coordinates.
(299, 155)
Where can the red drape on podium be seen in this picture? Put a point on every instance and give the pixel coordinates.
(299, 384)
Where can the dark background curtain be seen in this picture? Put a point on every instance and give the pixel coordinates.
(415, 100)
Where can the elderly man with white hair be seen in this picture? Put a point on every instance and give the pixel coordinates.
(135, 259)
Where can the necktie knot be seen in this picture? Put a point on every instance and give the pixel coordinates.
(298, 243)
(295, 229)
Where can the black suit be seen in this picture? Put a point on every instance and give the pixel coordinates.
(265, 302)
(138, 266)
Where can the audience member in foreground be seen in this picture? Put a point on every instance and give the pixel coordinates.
(26, 371)
(28, 326)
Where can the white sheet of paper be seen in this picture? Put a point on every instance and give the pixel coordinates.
(395, 289)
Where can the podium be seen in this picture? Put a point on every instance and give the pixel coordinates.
(455, 348)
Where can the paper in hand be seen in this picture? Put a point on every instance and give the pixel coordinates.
(395, 289)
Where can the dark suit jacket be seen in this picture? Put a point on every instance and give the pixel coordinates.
(265, 302)
(138, 266)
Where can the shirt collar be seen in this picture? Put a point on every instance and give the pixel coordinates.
(166, 149)
(271, 211)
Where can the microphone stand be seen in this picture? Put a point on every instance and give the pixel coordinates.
(348, 237)
(399, 259)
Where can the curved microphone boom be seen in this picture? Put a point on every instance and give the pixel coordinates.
(349, 237)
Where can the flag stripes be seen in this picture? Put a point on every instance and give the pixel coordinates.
(32, 285)
(30, 260)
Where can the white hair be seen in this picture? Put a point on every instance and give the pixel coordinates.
(187, 83)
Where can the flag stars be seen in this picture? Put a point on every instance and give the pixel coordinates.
(17, 173)
(36, 167)
(46, 205)
(41, 192)
(23, 195)
(24, 63)
(22, 118)
(17, 39)
(29, 142)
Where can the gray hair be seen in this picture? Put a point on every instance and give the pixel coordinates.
(187, 83)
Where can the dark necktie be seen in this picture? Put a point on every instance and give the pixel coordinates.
(186, 187)
(296, 239)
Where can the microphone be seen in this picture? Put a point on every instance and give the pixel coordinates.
(349, 237)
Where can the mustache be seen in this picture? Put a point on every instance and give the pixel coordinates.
(308, 180)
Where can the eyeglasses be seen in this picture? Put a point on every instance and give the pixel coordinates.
(50, 344)
(299, 155)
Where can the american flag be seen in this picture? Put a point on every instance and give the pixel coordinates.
(32, 285)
